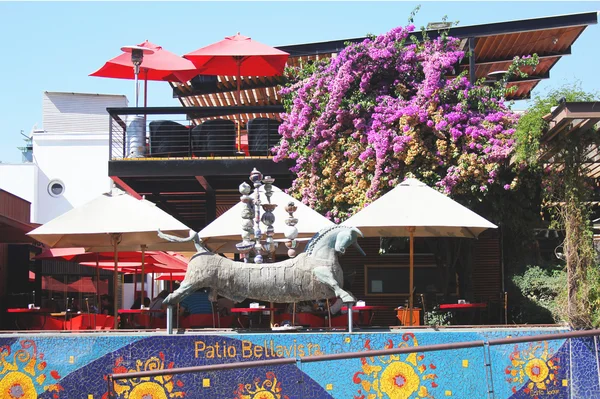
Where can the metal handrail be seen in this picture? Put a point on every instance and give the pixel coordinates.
(348, 355)
(197, 111)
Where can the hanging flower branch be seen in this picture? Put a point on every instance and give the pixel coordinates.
(358, 123)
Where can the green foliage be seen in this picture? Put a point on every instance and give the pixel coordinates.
(532, 125)
(542, 286)
(438, 318)
(566, 193)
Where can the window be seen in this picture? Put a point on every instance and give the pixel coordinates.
(56, 188)
(401, 246)
(394, 279)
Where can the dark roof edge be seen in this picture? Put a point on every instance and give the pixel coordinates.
(495, 28)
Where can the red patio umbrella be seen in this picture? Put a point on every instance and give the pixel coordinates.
(161, 65)
(129, 261)
(238, 56)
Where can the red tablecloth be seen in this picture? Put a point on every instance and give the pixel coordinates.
(140, 311)
(451, 306)
(27, 310)
(366, 307)
(250, 310)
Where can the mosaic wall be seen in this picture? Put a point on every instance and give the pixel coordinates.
(74, 366)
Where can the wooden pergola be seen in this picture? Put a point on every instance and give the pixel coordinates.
(567, 119)
(493, 47)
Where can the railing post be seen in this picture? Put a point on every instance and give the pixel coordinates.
(349, 306)
(125, 138)
(190, 139)
(110, 138)
(111, 387)
(170, 319)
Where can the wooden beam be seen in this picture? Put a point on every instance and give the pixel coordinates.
(503, 60)
(126, 187)
(211, 199)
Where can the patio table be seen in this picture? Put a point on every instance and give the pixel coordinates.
(240, 311)
(27, 311)
(144, 321)
(368, 310)
(465, 307)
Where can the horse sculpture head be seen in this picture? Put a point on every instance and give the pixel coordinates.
(332, 240)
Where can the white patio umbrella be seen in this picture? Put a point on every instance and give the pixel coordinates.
(414, 209)
(225, 231)
(112, 222)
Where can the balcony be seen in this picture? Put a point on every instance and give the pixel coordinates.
(191, 160)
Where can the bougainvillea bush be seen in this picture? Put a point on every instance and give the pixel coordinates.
(389, 106)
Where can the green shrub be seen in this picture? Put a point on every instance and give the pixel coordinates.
(541, 287)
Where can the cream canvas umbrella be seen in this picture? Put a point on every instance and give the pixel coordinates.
(413, 209)
(112, 222)
(225, 231)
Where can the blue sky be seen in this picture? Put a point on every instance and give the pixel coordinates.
(54, 46)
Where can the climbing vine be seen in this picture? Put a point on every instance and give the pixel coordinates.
(567, 191)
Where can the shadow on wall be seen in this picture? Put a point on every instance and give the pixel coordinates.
(51, 200)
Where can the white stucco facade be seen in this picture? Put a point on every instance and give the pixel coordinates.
(71, 150)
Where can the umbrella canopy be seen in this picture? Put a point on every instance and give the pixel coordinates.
(414, 204)
(112, 221)
(136, 267)
(91, 225)
(225, 231)
(162, 65)
(238, 56)
(171, 277)
(414, 209)
(78, 255)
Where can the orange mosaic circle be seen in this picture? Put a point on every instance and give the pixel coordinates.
(399, 381)
(536, 370)
(264, 395)
(148, 390)
(16, 385)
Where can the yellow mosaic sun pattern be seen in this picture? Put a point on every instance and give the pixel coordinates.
(24, 373)
(158, 387)
(533, 366)
(396, 376)
(267, 388)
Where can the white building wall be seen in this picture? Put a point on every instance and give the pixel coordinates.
(20, 180)
(72, 148)
(78, 112)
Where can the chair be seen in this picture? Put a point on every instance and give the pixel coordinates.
(168, 138)
(263, 134)
(214, 138)
(198, 320)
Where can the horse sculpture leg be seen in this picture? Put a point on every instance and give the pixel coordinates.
(325, 275)
(176, 296)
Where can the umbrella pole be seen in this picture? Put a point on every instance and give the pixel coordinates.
(411, 231)
(145, 104)
(145, 89)
(239, 103)
(142, 295)
(136, 87)
(98, 304)
(116, 238)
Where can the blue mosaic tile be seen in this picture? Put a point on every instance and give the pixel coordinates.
(74, 366)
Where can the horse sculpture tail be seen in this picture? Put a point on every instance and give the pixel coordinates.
(200, 247)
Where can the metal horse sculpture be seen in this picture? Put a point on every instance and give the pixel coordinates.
(312, 275)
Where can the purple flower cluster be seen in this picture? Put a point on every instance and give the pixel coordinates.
(386, 107)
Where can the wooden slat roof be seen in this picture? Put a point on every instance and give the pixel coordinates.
(496, 44)
(569, 118)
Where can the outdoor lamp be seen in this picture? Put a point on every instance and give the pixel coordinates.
(495, 76)
(137, 56)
